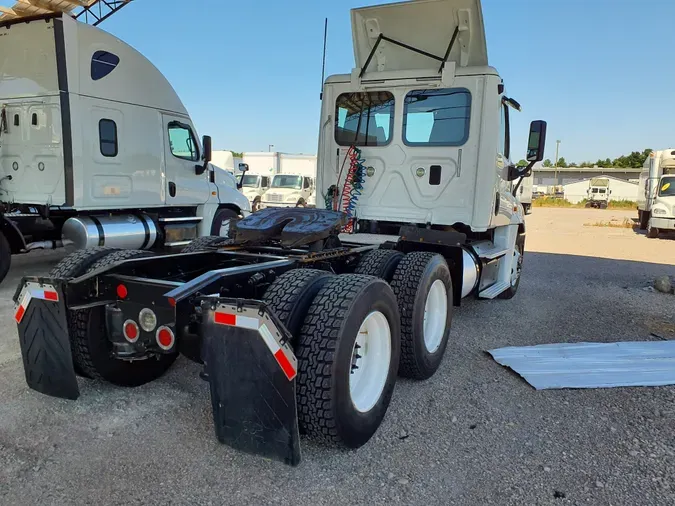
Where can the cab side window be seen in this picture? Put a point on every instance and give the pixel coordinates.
(504, 134)
(306, 185)
(182, 142)
(265, 182)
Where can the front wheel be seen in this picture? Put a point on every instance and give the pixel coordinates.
(222, 221)
(256, 205)
(516, 268)
(652, 232)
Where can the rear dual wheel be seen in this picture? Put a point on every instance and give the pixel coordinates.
(347, 347)
(90, 346)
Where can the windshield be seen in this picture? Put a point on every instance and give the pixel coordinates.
(250, 181)
(287, 182)
(667, 187)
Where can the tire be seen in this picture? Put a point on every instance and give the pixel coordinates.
(652, 232)
(219, 220)
(5, 256)
(72, 266)
(256, 205)
(291, 294)
(327, 391)
(205, 243)
(422, 352)
(380, 263)
(643, 218)
(511, 291)
(92, 349)
(301, 203)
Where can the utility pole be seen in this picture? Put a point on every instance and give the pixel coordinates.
(555, 165)
(269, 147)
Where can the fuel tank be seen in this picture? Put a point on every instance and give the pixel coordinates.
(125, 231)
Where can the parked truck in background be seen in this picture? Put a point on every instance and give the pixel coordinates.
(294, 184)
(598, 193)
(656, 193)
(303, 318)
(96, 148)
(525, 194)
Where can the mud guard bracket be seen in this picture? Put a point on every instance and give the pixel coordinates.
(41, 316)
(251, 374)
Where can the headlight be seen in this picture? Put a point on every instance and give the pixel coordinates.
(656, 210)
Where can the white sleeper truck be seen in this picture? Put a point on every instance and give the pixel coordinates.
(656, 193)
(96, 148)
(598, 193)
(303, 318)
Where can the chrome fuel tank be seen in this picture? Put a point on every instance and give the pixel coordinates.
(123, 231)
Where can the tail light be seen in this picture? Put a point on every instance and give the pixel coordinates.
(165, 338)
(131, 331)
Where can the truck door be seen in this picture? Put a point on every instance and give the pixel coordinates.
(182, 153)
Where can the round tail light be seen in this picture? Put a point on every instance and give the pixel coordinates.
(165, 338)
(131, 331)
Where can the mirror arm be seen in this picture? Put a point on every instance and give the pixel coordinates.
(526, 173)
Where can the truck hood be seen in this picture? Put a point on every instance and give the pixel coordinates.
(427, 25)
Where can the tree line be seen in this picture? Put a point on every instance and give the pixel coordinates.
(635, 160)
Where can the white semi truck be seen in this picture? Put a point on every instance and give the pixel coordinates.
(291, 179)
(96, 148)
(304, 318)
(656, 193)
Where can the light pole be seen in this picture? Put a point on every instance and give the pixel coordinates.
(269, 147)
(555, 165)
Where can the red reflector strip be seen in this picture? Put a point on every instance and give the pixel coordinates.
(285, 364)
(225, 318)
(19, 314)
(278, 352)
(236, 320)
(51, 296)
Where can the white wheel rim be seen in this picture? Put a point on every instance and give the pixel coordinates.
(435, 315)
(371, 356)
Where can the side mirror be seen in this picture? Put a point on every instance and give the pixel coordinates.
(537, 141)
(206, 143)
(243, 168)
(208, 150)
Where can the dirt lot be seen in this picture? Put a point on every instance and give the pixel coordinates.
(473, 434)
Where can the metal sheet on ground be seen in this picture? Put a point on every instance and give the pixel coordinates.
(592, 365)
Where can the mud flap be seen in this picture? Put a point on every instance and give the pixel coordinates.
(251, 372)
(41, 316)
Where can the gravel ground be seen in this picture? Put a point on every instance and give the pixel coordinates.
(475, 433)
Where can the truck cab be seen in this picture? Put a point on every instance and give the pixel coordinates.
(96, 147)
(290, 190)
(253, 186)
(656, 193)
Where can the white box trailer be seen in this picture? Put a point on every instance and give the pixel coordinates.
(656, 193)
(304, 318)
(96, 147)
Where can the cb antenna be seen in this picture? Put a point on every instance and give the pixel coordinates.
(323, 65)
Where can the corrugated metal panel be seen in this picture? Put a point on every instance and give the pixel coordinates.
(592, 365)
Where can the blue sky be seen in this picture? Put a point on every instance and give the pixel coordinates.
(601, 72)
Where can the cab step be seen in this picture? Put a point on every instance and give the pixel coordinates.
(494, 290)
